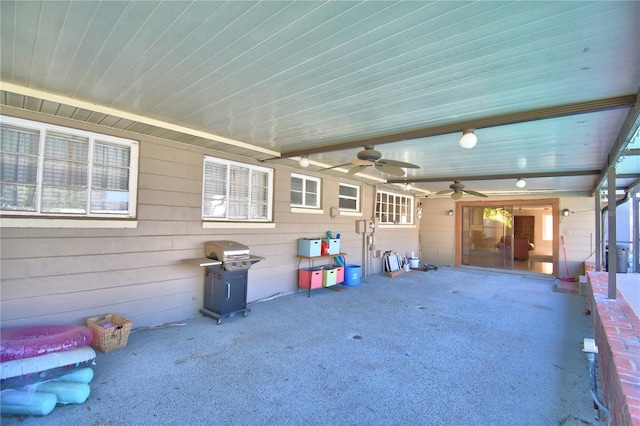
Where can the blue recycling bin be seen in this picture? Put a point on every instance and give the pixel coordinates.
(352, 274)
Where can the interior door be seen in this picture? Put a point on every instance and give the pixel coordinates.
(525, 226)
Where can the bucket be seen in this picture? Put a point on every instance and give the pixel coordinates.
(414, 262)
(352, 274)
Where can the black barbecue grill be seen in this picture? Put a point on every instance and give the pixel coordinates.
(226, 277)
(234, 256)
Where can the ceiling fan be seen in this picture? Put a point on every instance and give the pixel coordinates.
(372, 157)
(457, 189)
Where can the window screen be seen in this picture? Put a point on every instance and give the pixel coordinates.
(305, 191)
(53, 170)
(235, 191)
(349, 198)
(394, 208)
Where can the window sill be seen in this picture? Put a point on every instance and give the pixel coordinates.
(238, 225)
(66, 223)
(390, 226)
(306, 211)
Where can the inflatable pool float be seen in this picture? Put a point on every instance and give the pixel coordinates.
(21, 372)
(66, 392)
(28, 342)
(41, 398)
(27, 402)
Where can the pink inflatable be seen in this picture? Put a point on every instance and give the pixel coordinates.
(27, 342)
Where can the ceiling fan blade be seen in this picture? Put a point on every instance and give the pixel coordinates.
(356, 169)
(335, 167)
(477, 194)
(395, 163)
(444, 191)
(359, 162)
(392, 170)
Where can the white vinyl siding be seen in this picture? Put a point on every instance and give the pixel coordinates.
(394, 209)
(305, 191)
(236, 192)
(56, 171)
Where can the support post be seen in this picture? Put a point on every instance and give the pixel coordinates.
(635, 239)
(613, 238)
(599, 244)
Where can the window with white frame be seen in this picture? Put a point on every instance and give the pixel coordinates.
(349, 198)
(49, 170)
(305, 191)
(236, 191)
(394, 209)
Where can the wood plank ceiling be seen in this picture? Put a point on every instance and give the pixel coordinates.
(551, 88)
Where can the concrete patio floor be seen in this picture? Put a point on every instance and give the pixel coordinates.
(445, 347)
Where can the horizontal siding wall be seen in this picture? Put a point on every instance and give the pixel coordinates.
(438, 231)
(579, 231)
(65, 275)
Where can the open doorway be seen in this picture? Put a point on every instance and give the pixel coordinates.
(512, 234)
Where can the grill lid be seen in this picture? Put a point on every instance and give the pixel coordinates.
(226, 250)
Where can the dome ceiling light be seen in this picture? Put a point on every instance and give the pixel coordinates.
(468, 139)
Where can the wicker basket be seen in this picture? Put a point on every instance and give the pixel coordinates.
(110, 332)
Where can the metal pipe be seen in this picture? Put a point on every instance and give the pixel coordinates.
(612, 260)
(619, 202)
(593, 386)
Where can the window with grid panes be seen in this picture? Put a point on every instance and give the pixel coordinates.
(394, 209)
(236, 192)
(349, 197)
(51, 170)
(305, 191)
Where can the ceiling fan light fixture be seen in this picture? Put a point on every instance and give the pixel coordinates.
(521, 183)
(468, 139)
(456, 195)
(304, 161)
(408, 187)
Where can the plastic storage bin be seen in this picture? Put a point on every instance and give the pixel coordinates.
(334, 246)
(309, 247)
(310, 278)
(329, 277)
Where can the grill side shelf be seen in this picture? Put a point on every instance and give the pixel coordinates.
(203, 261)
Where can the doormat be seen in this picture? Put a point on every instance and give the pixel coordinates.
(567, 287)
(540, 258)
